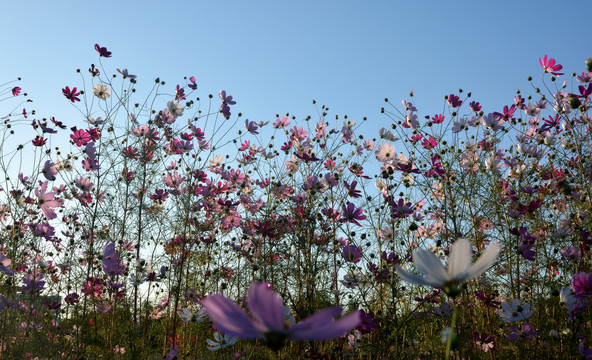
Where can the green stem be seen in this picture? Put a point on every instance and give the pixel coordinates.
(451, 333)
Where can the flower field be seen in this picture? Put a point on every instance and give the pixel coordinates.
(164, 224)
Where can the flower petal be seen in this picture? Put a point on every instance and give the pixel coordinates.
(484, 262)
(413, 278)
(428, 263)
(267, 307)
(321, 326)
(459, 259)
(229, 318)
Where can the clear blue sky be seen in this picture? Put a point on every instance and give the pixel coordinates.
(276, 56)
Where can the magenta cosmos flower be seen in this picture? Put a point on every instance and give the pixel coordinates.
(269, 322)
(581, 285)
(550, 66)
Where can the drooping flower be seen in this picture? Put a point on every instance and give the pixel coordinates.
(112, 265)
(459, 269)
(251, 127)
(269, 320)
(49, 170)
(33, 282)
(4, 265)
(352, 253)
(102, 51)
(387, 135)
(125, 73)
(527, 332)
(193, 84)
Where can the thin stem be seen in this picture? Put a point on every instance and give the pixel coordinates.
(451, 333)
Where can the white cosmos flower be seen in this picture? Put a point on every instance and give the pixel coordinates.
(460, 267)
(125, 74)
(98, 121)
(221, 341)
(514, 312)
(101, 91)
(175, 108)
(387, 135)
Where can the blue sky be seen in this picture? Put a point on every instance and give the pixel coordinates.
(276, 56)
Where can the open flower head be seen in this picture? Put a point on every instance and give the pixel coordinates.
(460, 267)
(269, 320)
(101, 91)
(515, 311)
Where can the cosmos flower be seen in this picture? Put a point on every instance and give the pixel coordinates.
(352, 253)
(385, 152)
(101, 91)
(221, 341)
(102, 51)
(125, 74)
(193, 84)
(350, 214)
(459, 269)
(581, 284)
(269, 320)
(514, 312)
(71, 95)
(550, 66)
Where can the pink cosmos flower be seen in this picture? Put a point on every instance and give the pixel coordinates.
(4, 265)
(430, 143)
(80, 137)
(475, 106)
(282, 122)
(269, 321)
(193, 85)
(438, 119)
(385, 152)
(47, 201)
(550, 66)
